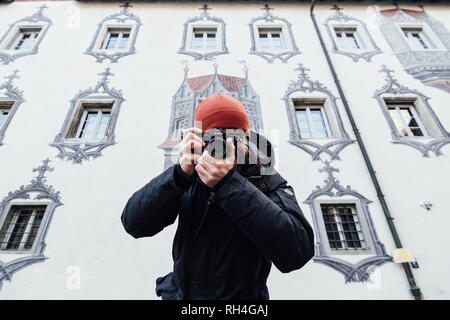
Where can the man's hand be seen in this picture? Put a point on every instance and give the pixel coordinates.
(190, 141)
(212, 170)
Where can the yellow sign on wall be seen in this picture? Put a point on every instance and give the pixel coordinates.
(403, 255)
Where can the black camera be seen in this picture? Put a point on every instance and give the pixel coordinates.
(216, 142)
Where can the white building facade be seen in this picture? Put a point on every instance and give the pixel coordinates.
(93, 95)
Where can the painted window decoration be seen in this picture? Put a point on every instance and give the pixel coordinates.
(344, 229)
(25, 217)
(315, 123)
(90, 123)
(410, 117)
(272, 37)
(20, 227)
(24, 36)
(192, 91)
(342, 226)
(115, 36)
(10, 100)
(204, 36)
(420, 43)
(350, 36)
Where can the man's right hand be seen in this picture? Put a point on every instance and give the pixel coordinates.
(187, 158)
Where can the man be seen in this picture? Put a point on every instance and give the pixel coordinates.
(233, 223)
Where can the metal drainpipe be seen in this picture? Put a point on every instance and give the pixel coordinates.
(415, 290)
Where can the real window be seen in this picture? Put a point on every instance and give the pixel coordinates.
(204, 38)
(270, 38)
(347, 38)
(311, 119)
(116, 39)
(342, 226)
(5, 108)
(91, 122)
(24, 39)
(406, 119)
(20, 227)
(417, 39)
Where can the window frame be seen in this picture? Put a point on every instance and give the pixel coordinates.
(284, 45)
(356, 36)
(411, 107)
(429, 36)
(43, 226)
(108, 29)
(365, 230)
(5, 105)
(308, 103)
(74, 128)
(14, 37)
(204, 48)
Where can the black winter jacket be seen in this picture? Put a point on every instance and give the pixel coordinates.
(227, 237)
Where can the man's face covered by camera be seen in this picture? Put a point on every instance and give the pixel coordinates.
(218, 141)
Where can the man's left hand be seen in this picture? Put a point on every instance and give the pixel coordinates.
(212, 170)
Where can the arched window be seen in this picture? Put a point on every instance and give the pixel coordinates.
(272, 37)
(204, 36)
(25, 217)
(24, 36)
(10, 99)
(115, 36)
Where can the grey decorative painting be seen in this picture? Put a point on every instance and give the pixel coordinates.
(272, 37)
(24, 36)
(12, 98)
(44, 196)
(75, 147)
(337, 139)
(421, 44)
(350, 36)
(334, 193)
(433, 136)
(204, 36)
(193, 90)
(115, 36)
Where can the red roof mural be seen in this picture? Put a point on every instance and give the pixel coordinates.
(228, 82)
(389, 13)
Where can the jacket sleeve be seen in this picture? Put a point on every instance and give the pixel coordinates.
(275, 224)
(155, 205)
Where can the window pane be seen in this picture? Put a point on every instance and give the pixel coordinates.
(124, 41)
(24, 42)
(211, 40)
(398, 123)
(88, 125)
(34, 228)
(318, 123)
(3, 116)
(410, 121)
(197, 42)
(101, 132)
(276, 41)
(112, 41)
(342, 226)
(303, 126)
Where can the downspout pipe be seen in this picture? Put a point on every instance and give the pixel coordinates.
(415, 290)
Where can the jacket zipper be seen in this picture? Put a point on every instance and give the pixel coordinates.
(208, 204)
